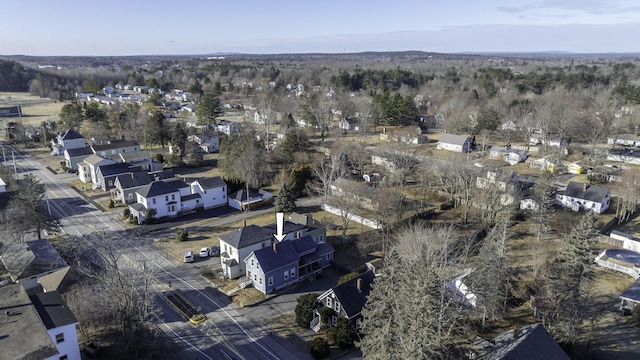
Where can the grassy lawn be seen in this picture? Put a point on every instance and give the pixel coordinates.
(35, 110)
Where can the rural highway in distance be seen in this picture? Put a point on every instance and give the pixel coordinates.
(226, 335)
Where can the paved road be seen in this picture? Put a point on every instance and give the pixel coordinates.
(227, 334)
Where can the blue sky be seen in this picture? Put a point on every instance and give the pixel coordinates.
(141, 27)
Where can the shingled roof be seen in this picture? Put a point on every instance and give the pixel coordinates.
(453, 139)
(529, 342)
(350, 297)
(254, 234)
(156, 188)
(585, 191)
(31, 258)
(211, 183)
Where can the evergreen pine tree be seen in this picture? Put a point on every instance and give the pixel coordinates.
(285, 202)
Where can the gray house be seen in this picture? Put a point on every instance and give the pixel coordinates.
(456, 143)
(106, 174)
(287, 262)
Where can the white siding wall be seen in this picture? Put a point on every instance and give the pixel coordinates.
(69, 346)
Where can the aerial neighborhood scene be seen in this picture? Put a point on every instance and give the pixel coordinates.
(260, 181)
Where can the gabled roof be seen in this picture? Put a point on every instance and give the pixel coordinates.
(163, 174)
(94, 159)
(79, 152)
(211, 183)
(254, 234)
(156, 188)
(114, 145)
(24, 336)
(133, 155)
(351, 299)
(532, 342)
(593, 193)
(31, 258)
(454, 139)
(70, 135)
(177, 184)
(53, 310)
(132, 180)
(117, 169)
(305, 245)
(270, 260)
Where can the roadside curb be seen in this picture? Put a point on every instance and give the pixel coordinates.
(88, 199)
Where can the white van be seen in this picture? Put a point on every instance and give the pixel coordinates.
(188, 256)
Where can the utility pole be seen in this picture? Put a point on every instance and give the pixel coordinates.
(15, 170)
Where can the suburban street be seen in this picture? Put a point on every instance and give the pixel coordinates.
(229, 332)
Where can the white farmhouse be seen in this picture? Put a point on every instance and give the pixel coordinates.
(456, 143)
(582, 196)
(212, 190)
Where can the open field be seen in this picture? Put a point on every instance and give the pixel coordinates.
(35, 110)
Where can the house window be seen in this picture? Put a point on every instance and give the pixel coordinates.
(270, 280)
(173, 196)
(154, 200)
(329, 303)
(110, 183)
(255, 277)
(293, 272)
(321, 238)
(358, 324)
(286, 275)
(251, 262)
(166, 198)
(173, 208)
(59, 338)
(130, 196)
(64, 357)
(205, 192)
(334, 320)
(260, 279)
(224, 196)
(336, 307)
(328, 257)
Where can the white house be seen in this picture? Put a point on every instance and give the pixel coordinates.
(228, 127)
(158, 195)
(241, 201)
(349, 124)
(87, 169)
(212, 190)
(508, 154)
(115, 147)
(209, 142)
(624, 139)
(67, 140)
(457, 143)
(40, 326)
(582, 196)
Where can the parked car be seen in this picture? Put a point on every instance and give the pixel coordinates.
(204, 252)
(215, 251)
(188, 256)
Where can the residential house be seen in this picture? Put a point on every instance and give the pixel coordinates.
(582, 196)
(158, 195)
(244, 201)
(209, 142)
(238, 244)
(509, 126)
(125, 186)
(507, 180)
(625, 140)
(546, 164)
(74, 156)
(531, 342)
(456, 143)
(422, 129)
(212, 190)
(553, 141)
(607, 173)
(508, 154)
(40, 326)
(576, 168)
(88, 168)
(180, 185)
(349, 124)
(287, 262)
(138, 158)
(35, 263)
(366, 196)
(106, 174)
(228, 127)
(624, 155)
(346, 300)
(67, 140)
(114, 147)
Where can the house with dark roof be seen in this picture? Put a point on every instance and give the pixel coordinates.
(228, 127)
(212, 190)
(138, 158)
(582, 196)
(106, 174)
(158, 195)
(346, 300)
(35, 263)
(287, 262)
(456, 143)
(238, 244)
(114, 147)
(526, 343)
(39, 326)
(125, 186)
(74, 156)
(67, 140)
(630, 298)
(243, 200)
